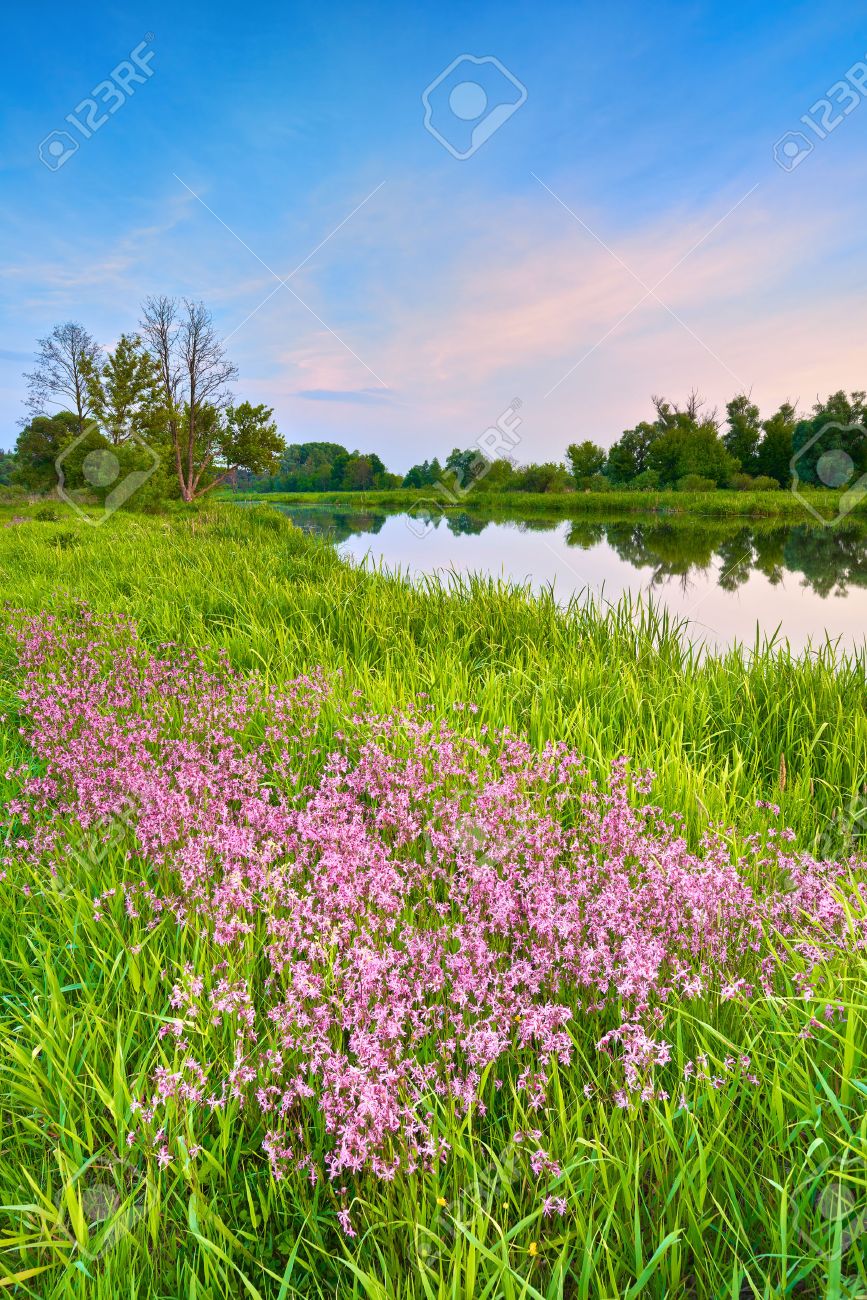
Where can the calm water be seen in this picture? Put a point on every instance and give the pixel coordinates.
(728, 578)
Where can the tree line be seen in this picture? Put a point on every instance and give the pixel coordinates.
(161, 401)
(683, 447)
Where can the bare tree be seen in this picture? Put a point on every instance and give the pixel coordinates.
(65, 365)
(667, 412)
(193, 376)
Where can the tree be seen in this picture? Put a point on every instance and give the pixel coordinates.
(124, 392)
(65, 364)
(744, 432)
(193, 373)
(466, 467)
(585, 460)
(7, 468)
(774, 455)
(39, 444)
(830, 448)
(248, 440)
(547, 477)
(424, 475)
(689, 449)
(628, 457)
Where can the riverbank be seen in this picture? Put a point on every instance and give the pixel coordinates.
(606, 680)
(783, 505)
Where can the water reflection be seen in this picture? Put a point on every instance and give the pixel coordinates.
(828, 561)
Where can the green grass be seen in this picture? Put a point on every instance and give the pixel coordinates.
(719, 1201)
(722, 504)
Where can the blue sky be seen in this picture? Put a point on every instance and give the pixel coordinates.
(429, 291)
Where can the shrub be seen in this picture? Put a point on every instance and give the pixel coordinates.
(764, 483)
(646, 481)
(47, 514)
(695, 483)
(741, 482)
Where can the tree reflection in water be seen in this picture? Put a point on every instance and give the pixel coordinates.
(828, 560)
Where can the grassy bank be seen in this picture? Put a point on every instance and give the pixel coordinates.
(607, 681)
(721, 504)
(715, 1199)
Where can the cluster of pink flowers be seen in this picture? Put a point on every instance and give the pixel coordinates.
(394, 917)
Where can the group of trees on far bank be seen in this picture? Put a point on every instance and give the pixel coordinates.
(681, 448)
(160, 404)
(686, 448)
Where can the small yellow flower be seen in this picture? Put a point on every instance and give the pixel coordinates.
(534, 1248)
(441, 1200)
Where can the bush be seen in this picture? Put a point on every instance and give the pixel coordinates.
(47, 514)
(741, 482)
(646, 481)
(696, 483)
(764, 483)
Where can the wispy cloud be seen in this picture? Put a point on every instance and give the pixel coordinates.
(358, 396)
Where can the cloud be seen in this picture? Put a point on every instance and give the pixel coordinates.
(360, 396)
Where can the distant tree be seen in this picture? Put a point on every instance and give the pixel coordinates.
(465, 467)
(359, 474)
(193, 374)
(629, 456)
(65, 365)
(39, 444)
(686, 449)
(744, 431)
(426, 474)
(547, 477)
(830, 448)
(499, 475)
(585, 460)
(124, 392)
(774, 455)
(8, 463)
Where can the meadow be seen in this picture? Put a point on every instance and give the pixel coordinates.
(399, 982)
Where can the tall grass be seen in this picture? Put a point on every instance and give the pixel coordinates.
(724, 1199)
(721, 504)
(757, 722)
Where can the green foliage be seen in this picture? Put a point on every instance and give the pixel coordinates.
(249, 439)
(423, 475)
(830, 449)
(547, 477)
(327, 467)
(688, 449)
(695, 483)
(124, 394)
(39, 445)
(647, 481)
(744, 433)
(586, 460)
(775, 450)
(630, 455)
